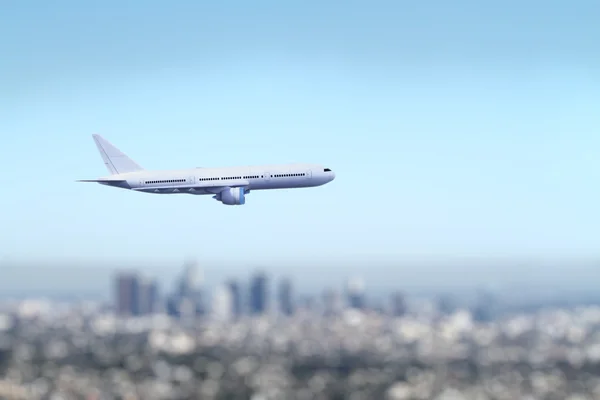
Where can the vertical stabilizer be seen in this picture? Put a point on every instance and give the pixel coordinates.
(115, 160)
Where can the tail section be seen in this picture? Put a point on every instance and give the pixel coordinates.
(115, 160)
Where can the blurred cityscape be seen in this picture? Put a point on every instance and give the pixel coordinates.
(137, 295)
(259, 340)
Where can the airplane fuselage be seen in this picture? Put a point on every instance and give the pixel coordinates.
(203, 181)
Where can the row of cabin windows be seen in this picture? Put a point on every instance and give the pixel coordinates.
(286, 175)
(166, 181)
(231, 177)
(225, 178)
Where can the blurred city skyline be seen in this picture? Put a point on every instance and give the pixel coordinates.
(568, 281)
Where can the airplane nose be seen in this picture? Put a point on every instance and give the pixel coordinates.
(332, 175)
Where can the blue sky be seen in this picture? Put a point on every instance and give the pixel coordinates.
(456, 129)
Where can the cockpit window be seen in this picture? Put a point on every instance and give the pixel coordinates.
(326, 170)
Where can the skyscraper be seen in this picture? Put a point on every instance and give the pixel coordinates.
(146, 296)
(236, 297)
(135, 295)
(125, 293)
(355, 292)
(258, 293)
(191, 280)
(286, 303)
(222, 309)
(153, 296)
(398, 304)
(190, 289)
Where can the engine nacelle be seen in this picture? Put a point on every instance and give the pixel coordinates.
(232, 196)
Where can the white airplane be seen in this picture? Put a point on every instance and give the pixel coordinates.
(228, 185)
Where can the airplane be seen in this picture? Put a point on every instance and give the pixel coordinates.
(229, 185)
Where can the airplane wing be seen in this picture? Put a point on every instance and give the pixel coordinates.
(194, 190)
(219, 189)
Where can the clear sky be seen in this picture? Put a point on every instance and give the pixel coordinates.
(456, 129)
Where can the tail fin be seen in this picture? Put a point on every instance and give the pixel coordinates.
(115, 160)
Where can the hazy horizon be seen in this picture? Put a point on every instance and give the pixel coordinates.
(411, 276)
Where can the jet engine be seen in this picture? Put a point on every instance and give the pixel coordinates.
(232, 196)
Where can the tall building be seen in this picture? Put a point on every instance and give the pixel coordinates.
(355, 292)
(258, 294)
(125, 293)
(135, 295)
(153, 296)
(191, 281)
(146, 296)
(398, 304)
(222, 309)
(190, 290)
(286, 302)
(172, 305)
(236, 297)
